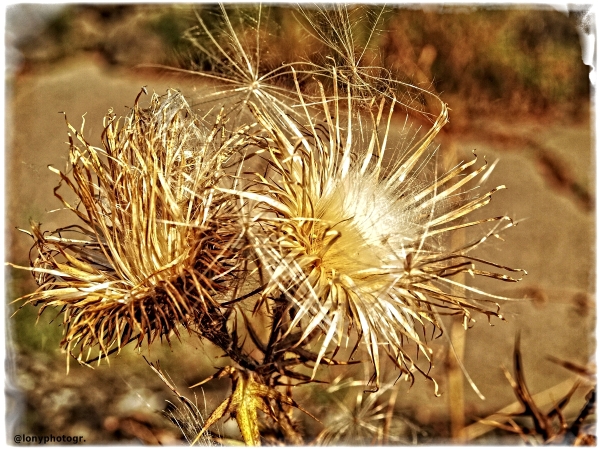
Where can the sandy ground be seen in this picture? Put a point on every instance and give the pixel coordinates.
(547, 167)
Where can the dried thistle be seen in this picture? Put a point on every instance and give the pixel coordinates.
(354, 242)
(341, 233)
(155, 243)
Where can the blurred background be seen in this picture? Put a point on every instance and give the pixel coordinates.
(519, 94)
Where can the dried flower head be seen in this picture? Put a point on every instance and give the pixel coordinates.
(353, 241)
(155, 244)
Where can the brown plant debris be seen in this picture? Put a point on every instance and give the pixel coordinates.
(548, 427)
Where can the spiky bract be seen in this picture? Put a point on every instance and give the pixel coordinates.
(155, 244)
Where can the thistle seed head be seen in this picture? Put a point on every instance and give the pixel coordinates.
(354, 243)
(155, 243)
